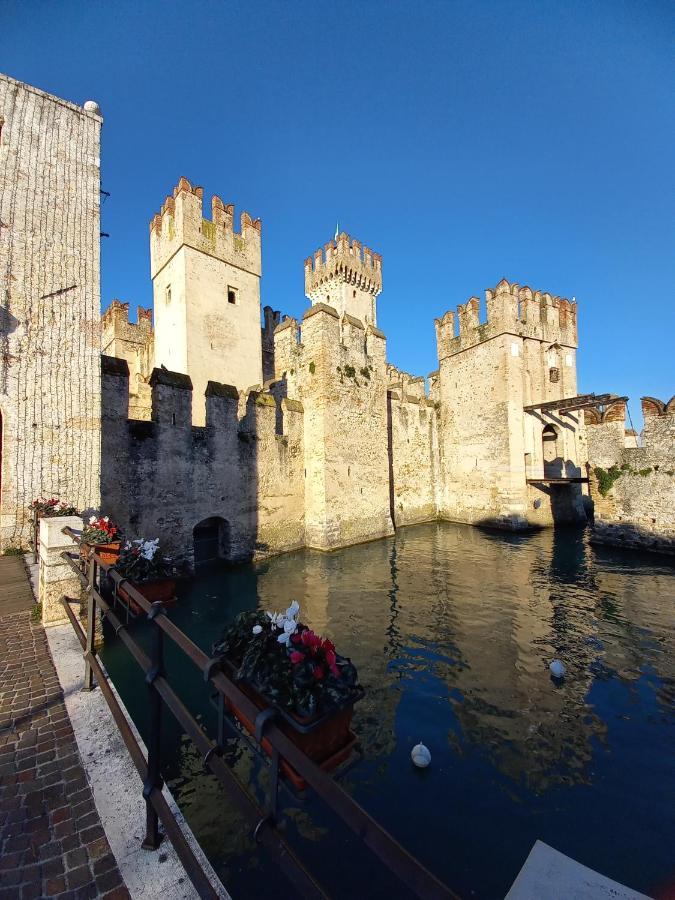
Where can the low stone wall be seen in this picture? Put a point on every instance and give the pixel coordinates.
(637, 508)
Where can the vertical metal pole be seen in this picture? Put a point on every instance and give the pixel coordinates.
(153, 837)
(91, 624)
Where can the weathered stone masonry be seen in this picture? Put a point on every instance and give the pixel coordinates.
(166, 475)
(638, 510)
(49, 303)
(491, 448)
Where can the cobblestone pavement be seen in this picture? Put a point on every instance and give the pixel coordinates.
(51, 840)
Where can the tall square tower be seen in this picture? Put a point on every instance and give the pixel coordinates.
(50, 337)
(206, 287)
(347, 277)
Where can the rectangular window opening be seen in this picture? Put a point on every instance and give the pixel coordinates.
(231, 295)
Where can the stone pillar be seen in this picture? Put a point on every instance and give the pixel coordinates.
(56, 578)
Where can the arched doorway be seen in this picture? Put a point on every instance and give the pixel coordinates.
(211, 540)
(552, 458)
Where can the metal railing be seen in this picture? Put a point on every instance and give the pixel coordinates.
(161, 694)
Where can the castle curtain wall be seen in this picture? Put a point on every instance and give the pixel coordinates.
(163, 477)
(49, 303)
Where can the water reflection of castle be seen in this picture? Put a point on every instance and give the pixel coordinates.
(481, 617)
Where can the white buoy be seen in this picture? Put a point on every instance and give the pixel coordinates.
(420, 755)
(557, 669)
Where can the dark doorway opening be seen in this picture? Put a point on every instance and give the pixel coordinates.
(211, 540)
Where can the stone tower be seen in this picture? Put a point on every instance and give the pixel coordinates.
(206, 286)
(334, 364)
(492, 447)
(50, 389)
(348, 278)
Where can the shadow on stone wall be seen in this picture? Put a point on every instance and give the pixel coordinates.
(632, 536)
(195, 487)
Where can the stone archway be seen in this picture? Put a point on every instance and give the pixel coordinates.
(211, 540)
(552, 455)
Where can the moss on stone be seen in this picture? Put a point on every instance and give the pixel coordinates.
(607, 478)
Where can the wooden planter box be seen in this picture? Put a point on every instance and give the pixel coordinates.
(162, 590)
(109, 553)
(326, 739)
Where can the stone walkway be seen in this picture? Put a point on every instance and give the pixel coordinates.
(51, 840)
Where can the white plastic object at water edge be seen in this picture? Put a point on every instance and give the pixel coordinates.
(420, 755)
(557, 669)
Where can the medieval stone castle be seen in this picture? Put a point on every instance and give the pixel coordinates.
(234, 433)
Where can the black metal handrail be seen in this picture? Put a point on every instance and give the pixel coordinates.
(395, 857)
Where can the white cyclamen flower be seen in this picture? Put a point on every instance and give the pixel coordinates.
(149, 548)
(92, 520)
(106, 519)
(284, 637)
(293, 610)
(290, 627)
(256, 629)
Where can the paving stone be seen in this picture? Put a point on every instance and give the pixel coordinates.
(51, 840)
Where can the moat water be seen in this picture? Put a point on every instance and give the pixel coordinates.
(452, 629)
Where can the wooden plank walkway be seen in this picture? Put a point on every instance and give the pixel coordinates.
(15, 590)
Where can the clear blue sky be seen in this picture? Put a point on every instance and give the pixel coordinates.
(465, 141)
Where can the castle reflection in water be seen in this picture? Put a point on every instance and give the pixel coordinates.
(452, 629)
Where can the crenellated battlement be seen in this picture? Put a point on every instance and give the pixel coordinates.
(405, 385)
(652, 406)
(172, 397)
(327, 348)
(346, 276)
(510, 309)
(115, 323)
(181, 221)
(346, 260)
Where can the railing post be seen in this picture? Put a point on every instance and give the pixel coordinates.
(91, 623)
(153, 837)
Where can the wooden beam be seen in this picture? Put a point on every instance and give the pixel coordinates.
(581, 401)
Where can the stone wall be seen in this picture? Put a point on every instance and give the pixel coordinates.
(165, 476)
(49, 303)
(337, 369)
(133, 342)
(639, 508)
(414, 458)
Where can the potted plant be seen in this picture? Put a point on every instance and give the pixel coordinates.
(101, 536)
(151, 573)
(43, 508)
(278, 661)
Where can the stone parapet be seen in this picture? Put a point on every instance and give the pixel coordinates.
(346, 260)
(510, 309)
(56, 579)
(181, 222)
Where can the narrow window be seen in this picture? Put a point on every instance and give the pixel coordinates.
(231, 295)
(353, 293)
(2, 122)
(168, 294)
(554, 374)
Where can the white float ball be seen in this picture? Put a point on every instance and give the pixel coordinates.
(420, 755)
(557, 669)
